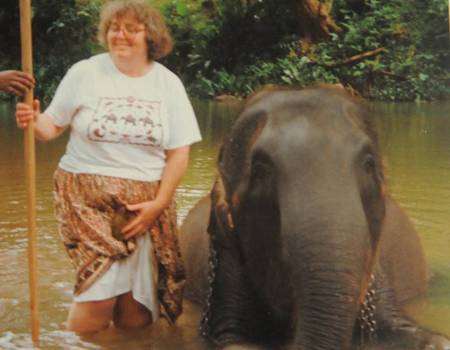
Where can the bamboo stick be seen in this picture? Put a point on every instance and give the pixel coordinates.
(30, 164)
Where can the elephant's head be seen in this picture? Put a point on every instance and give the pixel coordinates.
(297, 209)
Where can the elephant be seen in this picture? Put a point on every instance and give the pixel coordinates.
(299, 245)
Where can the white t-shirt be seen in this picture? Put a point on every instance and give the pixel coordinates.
(121, 125)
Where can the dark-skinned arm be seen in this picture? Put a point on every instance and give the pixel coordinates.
(16, 82)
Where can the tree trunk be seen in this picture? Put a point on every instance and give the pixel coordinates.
(315, 22)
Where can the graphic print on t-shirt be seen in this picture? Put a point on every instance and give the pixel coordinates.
(127, 120)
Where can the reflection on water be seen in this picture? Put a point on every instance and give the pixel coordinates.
(416, 145)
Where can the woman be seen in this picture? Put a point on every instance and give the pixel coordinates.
(131, 126)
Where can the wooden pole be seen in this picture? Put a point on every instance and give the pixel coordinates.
(30, 164)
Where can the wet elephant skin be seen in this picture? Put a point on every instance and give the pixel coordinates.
(298, 245)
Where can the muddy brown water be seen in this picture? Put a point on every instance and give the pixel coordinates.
(416, 145)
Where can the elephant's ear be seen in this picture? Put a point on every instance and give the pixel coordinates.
(220, 220)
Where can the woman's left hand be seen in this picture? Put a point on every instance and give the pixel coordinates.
(147, 213)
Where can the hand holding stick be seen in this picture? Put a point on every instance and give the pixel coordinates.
(16, 82)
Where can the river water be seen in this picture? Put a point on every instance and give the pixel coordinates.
(415, 141)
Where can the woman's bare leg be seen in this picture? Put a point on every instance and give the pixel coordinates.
(128, 313)
(91, 316)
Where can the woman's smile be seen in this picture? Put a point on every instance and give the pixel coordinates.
(120, 44)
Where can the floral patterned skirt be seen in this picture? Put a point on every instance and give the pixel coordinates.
(90, 210)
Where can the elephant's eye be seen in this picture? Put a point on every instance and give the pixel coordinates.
(260, 168)
(261, 165)
(369, 163)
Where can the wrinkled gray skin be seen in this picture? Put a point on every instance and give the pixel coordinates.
(299, 220)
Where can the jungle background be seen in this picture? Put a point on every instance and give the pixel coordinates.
(391, 50)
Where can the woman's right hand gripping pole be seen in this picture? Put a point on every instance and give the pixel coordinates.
(24, 113)
(44, 127)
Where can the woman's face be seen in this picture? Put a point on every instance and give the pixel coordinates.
(127, 37)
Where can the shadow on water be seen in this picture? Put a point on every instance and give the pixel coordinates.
(416, 145)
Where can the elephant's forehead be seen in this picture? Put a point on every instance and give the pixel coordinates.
(323, 108)
(291, 127)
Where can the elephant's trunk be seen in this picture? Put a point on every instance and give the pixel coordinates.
(326, 307)
(333, 262)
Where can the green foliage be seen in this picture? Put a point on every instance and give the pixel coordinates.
(238, 46)
(415, 65)
(192, 30)
(63, 33)
(215, 39)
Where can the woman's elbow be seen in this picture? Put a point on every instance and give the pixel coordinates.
(44, 136)
(43, 139)
(49, 133)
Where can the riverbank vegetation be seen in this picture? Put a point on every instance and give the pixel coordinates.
(63, 33)
(385, 50)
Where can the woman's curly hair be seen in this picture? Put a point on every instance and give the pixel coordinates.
(159, 40)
